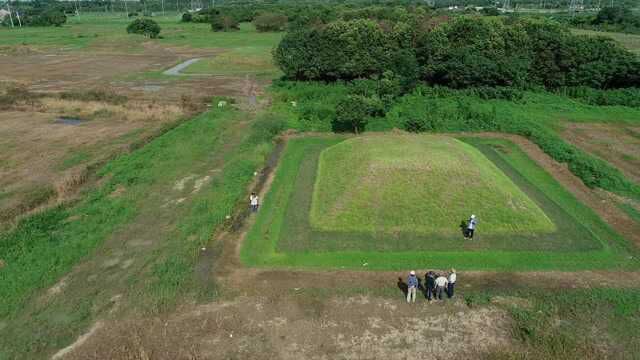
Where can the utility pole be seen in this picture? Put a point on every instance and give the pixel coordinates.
(9, 10)
(162, 3)
(18, 17)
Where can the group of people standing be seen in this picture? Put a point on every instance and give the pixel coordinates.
(435, 285)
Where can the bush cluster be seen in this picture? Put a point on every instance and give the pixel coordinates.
(146, 27)
(224, 23)
(621, 97)
(270, 22)
(463, 52)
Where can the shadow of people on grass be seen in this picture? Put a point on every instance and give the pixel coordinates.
(463, 228)
(403, 287)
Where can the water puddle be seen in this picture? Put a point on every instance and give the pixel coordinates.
(69, 121)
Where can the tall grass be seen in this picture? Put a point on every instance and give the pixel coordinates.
(597, 323)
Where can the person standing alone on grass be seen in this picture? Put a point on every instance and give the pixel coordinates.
(441, 284)
(430, 284)
(451, 283)
(413, 287)
(254, 202)
(471, 227)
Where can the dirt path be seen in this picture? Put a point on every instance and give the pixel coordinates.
(305, 326)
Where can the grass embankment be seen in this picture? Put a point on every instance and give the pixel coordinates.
(133, 213)
(282, 236)
(418, 184)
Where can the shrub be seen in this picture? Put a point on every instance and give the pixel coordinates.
(622, 97)
(267, 127)
(224, 23)
(352, 114)
(187, 17)
(52, 17)
(146, 27)
(132, 14)
(270, 22)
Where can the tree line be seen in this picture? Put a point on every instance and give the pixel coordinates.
(458, 52)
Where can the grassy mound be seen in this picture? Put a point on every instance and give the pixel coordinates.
(420, 184)
(283, 234)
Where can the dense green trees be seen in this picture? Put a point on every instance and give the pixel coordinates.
(146, 27)
(40, 16)
(220, 22)
(270, 22)
(463, 52)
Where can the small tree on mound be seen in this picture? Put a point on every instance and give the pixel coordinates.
(352, 114)
(270, 22)
(224, 23)
(146, 27)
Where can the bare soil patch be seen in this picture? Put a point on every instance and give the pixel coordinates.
(300, 326)
(618, 144)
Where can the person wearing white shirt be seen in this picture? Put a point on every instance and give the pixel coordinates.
(254, 202)
(451, 283)
(471, 227)
(441, 285)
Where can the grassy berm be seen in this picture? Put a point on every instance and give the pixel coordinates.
(420, 184)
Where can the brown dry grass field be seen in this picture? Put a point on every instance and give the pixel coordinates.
(44, 160)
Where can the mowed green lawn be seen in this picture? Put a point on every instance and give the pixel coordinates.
(419, 184)
(312, 215)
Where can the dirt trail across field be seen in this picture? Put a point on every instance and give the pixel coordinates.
(293, 314)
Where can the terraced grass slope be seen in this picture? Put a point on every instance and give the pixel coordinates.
(420, 184)
(563, 234)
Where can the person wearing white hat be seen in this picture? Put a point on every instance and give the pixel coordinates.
(471, 227)
(413, 287)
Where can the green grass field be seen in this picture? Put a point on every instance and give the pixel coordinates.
(568, 235)
(101, 31)
(394, 183)
(630, 41)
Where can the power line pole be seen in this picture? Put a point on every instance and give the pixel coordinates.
(9, 10)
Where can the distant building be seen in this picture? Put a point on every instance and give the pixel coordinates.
(3, 13)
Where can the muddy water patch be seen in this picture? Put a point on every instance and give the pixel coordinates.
(64, 120)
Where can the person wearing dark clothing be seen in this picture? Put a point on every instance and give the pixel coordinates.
(430, 284)
(471, 227)
(451, 284)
